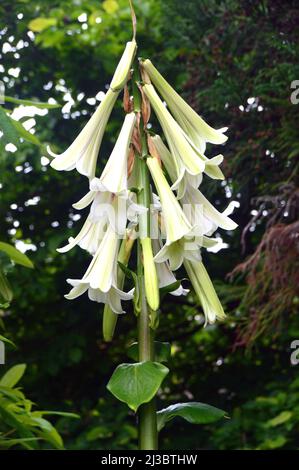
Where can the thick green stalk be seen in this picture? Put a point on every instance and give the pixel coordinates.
(147, 417)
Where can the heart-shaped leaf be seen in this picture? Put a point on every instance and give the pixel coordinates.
(193, 412)
(137, 383)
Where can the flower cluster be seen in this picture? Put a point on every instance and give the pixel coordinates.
(180, 219)
(111, 202)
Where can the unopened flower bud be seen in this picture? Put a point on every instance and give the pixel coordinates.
(122, 71)
(150, 274)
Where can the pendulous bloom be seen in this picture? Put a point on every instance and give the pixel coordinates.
(192, 124)
(205, 291)
(100, 279)
(114, 176)
(83, 152)
(186, 156)
(176, 223)
(107, 209)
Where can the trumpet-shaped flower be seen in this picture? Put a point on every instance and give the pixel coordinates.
(88, 238)
(112, 298)
(100, 279)
(180, 181)
(185, 248)
(100, 273)
(205, 291)
(201, 213)
(185, 156)
(109, 316)
(115, 174)
(176, 223)
(106, 210)
(193, 125)
(83, 152)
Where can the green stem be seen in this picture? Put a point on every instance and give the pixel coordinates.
(147, 417)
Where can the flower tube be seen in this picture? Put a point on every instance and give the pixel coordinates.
(176, 223)
(205, 291)
(100, 279)
(115, 173)
(193, 125)
(83, 152)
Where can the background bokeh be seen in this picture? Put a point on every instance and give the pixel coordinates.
(234, 62)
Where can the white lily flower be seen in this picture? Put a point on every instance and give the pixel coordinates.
(100, 273)
(176, 252)
(193, 125)
(115, 174)
(205, 291)
(201, 213)
(93, 230)
(88, 238)
(176, 223)
(185, 248)
(180, 181)
(83, 152)
(100, 279)
(112, 298)
(185, 155)
(106, 209)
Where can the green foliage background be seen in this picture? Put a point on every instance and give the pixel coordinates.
(217, 54)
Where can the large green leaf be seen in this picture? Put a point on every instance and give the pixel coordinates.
(15, 255)
(162, 351)
(5, 289)
(13, 375)
(38, 104)
(193, 412)
(137, 383)
(10, 133)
